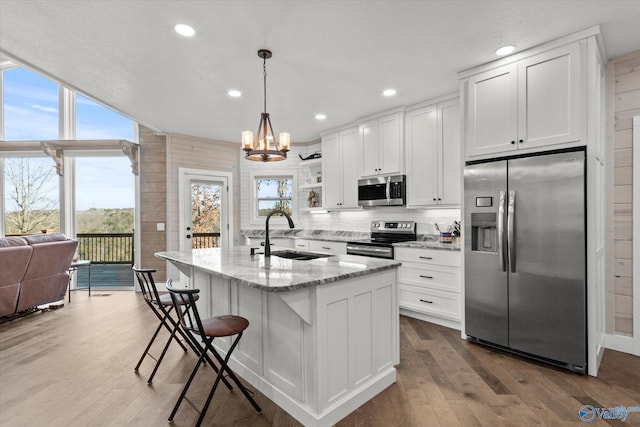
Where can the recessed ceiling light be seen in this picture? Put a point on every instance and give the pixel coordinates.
(389, 92)
(321, 116)
(184, 30)
(505, 50)
(234, 93)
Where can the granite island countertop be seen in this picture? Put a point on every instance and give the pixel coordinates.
(277, 274)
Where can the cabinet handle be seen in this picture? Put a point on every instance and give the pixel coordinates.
(426, 277)
(427, 301)
(425, 257)
(325, 247)
(513, 142)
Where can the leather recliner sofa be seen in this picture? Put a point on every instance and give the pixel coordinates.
(34, 270)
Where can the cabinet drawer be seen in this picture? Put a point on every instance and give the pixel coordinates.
(437, 303)
(429, 256)
(338, 248)
(442, 278)
(300, 244)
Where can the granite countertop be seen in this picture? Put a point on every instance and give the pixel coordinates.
(277, 274)
(424, 241)
(323, 235)
(428, 244)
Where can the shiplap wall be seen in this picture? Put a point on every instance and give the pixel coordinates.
(185, 151)
(624, 84)
(153, 199)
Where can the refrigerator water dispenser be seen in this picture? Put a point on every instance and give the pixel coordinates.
(483, 232)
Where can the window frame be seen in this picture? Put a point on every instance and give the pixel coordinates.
(278, 220)
(66, 132)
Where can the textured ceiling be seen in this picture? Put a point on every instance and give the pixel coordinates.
(333, 57)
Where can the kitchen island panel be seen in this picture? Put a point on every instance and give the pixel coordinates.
(284, 347)
(319, 350)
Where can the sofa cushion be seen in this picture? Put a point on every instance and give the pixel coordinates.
(10, 242)
(35, 239)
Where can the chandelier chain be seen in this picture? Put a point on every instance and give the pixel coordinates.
(264, 76)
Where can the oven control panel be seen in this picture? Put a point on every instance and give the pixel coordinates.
(393, 226)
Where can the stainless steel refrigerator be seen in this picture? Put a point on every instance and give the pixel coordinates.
(525, 256)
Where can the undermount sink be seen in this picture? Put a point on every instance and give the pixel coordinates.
(298, 256)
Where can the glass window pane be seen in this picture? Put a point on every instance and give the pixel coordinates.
(104, 195)
(274, 187)
(30, 106)
(31, 196)
(266, 206)
(94, 121)
(205, 215)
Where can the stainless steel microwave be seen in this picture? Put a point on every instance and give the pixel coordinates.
(382, 191)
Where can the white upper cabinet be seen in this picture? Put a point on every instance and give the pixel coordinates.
(422, 158)
(341, 159)
(382, 142)
(433, 160)
(532, 103)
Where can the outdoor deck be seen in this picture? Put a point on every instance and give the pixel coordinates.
(106, 275)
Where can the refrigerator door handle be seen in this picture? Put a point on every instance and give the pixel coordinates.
(501, 253)
(511, 243)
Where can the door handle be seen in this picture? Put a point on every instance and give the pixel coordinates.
(511, 242)
(501, 254)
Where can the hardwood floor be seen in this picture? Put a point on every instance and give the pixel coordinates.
(74, 367)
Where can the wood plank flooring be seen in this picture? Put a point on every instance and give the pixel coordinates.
(74, 367)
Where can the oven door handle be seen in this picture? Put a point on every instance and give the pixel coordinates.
(367, 248)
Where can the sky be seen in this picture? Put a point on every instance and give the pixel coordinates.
(30, 110)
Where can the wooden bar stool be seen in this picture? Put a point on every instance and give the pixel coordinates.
(161, 305)
(202, 333)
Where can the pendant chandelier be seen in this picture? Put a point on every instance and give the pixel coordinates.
(260, 148)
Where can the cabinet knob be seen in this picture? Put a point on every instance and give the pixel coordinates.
(521, 141)
(439, 198)
(513, 142)
(434, 199)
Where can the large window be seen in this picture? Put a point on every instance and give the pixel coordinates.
(94, 121)
(30, 106)
(30, 196)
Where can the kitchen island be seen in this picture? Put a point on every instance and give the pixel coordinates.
(324, 333)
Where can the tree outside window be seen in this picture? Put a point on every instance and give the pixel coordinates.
(274, 193)
(31, 196)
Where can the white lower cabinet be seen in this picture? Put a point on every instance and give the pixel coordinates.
(430, 285)
(284, 242)
(300, 244)
(336, 248)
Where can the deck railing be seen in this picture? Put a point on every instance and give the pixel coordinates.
(206, 240)
(108, 248)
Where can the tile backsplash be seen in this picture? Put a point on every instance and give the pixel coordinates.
(361, 220)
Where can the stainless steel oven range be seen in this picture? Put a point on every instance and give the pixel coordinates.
(383, 235)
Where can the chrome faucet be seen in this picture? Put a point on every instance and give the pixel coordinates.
(267, 245)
